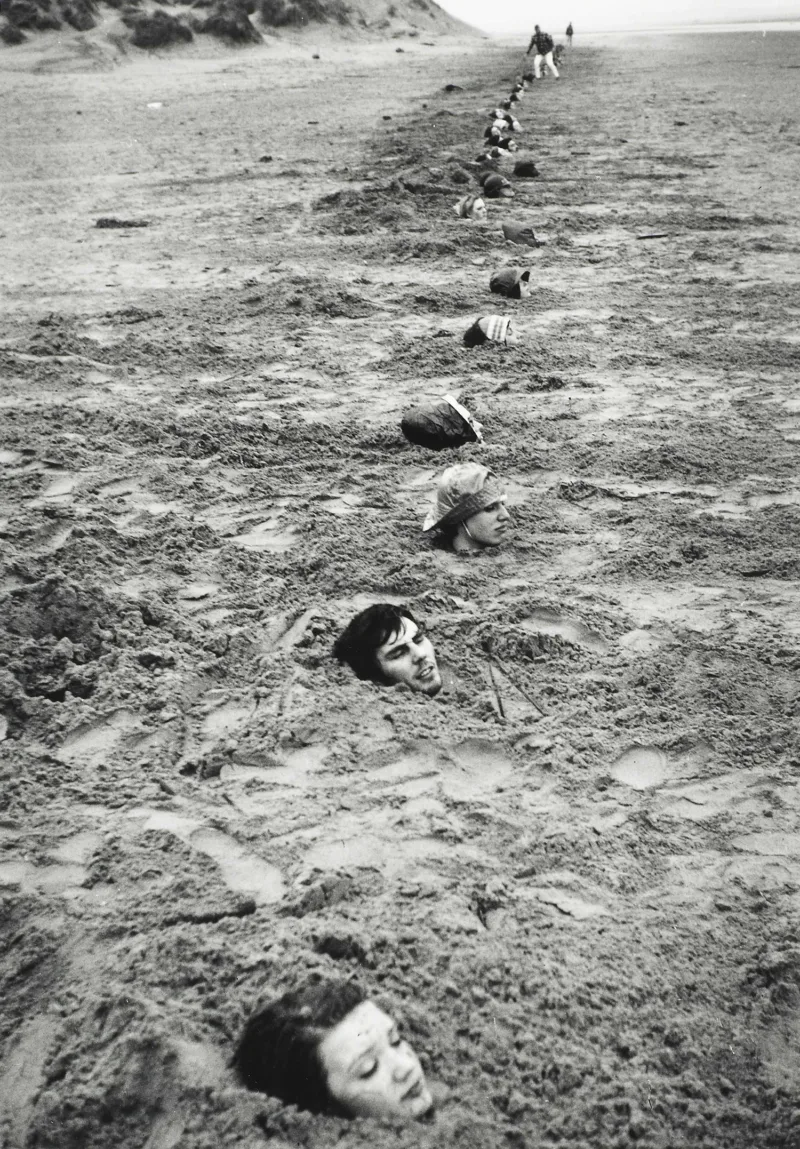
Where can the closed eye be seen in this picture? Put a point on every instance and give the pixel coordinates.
(368, 1070)
(397, 652)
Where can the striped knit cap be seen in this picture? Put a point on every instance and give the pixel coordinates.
(495, 327)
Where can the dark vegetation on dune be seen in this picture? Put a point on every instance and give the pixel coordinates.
(234, 21)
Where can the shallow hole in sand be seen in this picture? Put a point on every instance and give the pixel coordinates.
(639, 641)
(226, 718)
(419, 478)
(61, 486)
(53, 538)
(53, 879)
(478, 767)
(267, 537)
(294, 769)
(96, 739)
(641, 767)
(119, 487)
(242, 871)
(786, 499)
(338, 504)
(549, 622)
(192, 596)
(78, 848)
(770, 843)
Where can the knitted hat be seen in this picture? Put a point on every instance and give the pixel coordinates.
(491, 328)
(442, 424)
(527, 169)
(463, 491)
(495, 185)
(508, 282)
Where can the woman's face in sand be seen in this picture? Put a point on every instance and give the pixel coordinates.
(479, 210)
(511, 335)
(488, 528)
(524, 288)
(370, 1070)
(408, 656)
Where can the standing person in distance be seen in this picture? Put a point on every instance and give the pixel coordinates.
(570, 33)
(544, 51)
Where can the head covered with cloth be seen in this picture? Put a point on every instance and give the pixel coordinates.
(441, 424)
(470, 508)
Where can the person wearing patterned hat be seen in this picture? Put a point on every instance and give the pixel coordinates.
(470, 509)
(491, 329)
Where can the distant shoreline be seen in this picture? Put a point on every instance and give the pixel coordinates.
(675, 29)
(682, 29)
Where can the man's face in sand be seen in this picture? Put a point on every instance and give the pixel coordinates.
(370, 1070)
(479, 210)
(408, 656)
(524, 286)
(489, 526)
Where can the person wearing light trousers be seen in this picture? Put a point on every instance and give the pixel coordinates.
(544, 52)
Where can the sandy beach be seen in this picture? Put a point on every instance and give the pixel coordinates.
(576, 877)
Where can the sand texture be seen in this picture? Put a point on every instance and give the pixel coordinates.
(575, 878)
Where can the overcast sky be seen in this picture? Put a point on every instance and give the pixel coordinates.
(599, 15)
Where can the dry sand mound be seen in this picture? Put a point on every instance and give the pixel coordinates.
(151, 26)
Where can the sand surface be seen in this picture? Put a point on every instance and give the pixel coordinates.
(576, 878)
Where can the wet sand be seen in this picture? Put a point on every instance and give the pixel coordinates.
(575, 878)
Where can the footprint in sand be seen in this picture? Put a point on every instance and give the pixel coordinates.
(641, 767)
(244, 872)
(549, 622)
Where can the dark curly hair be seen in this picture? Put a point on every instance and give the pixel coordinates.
(278, 1053)
(359, 641)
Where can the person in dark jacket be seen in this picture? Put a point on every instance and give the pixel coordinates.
(570, 33)
(543, 42)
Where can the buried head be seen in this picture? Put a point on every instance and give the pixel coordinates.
(470, 508)
(328, 1049)
(370, 1070)
(386, 644)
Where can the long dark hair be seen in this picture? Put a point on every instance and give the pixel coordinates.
(278, 1053)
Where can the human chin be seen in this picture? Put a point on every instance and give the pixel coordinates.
(428, 680)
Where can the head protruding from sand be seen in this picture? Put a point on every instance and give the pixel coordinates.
(385, 644)
(327, 1048)
(470, 508)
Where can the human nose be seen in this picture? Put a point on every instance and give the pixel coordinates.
(503, 513)
(405, 1063)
